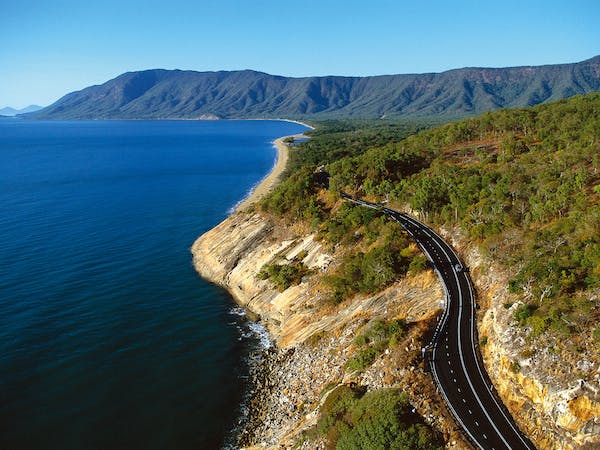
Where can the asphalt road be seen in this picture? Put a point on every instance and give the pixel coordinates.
(453, 353)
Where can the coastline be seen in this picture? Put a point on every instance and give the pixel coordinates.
(272, 178)
(311, 346)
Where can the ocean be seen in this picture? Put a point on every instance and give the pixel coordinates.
(108, 338)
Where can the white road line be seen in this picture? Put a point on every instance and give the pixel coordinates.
(438, 384)
(407, 221)
(510, 423)
(459, 334)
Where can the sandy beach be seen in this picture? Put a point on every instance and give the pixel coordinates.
(272, 179)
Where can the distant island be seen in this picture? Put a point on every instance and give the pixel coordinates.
(177, 94)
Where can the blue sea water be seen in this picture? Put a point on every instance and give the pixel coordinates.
(108, 338)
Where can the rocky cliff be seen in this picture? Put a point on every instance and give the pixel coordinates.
(553, 394)
(314, 339)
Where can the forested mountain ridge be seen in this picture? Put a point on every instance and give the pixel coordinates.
(176, 94)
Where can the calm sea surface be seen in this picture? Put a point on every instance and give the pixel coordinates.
(108, 338)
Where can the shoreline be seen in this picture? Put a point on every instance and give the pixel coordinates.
(304, 124)
(271, 180)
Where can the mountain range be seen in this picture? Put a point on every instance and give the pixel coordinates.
(177, 94)
(8, 111)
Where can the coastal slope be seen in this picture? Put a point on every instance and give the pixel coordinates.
(315, 343)
(539, 348)
(555, 405)
(177, 94)
(314, 340)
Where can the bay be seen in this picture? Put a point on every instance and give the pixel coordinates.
(108, 338)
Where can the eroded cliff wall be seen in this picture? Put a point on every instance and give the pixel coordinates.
(315, 340)
(554, 396)
(232, 254)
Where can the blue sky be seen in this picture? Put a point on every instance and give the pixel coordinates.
(51, 47)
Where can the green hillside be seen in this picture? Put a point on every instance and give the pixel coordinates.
(522, 184)
(175, 94)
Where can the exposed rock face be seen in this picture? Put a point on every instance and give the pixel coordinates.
(232, 254)
(315, 340)
(553, 394)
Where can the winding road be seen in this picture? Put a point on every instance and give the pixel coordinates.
(453, 354)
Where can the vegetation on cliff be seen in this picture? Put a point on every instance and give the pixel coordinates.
(373, 340)
(285, 274)
(523, 185)
(382, 419)
(378, 251)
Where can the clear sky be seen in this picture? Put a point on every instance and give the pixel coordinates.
(51, 47)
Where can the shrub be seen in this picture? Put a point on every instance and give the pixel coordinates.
(515, 367)
(373, 340)
(380, 419)
(538, 325)
(524, 312)
(417, 264)
(294, 197)
(284, 275)
(315, 338)
(363, 359)
(366, 272)
(335, 406)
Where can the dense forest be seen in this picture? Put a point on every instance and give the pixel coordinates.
(522, 184)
